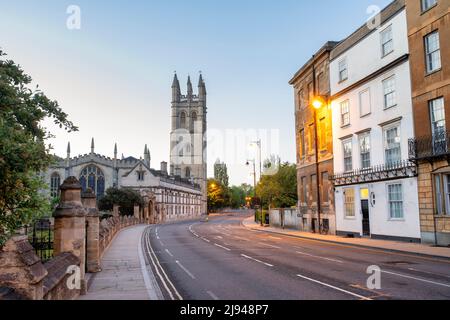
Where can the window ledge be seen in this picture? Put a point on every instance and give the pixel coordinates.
(427, 10)
(387, 108)
(397, 220)
(427, 74)
(387, 54)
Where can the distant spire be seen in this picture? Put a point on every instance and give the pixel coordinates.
(115, 150)
(175, 83)
(123, 156)
(201, 83)
(92, 145)
(68, 149)
(189, 87)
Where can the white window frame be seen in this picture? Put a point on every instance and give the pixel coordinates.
(341, 105)
(387, 128)
(344, 142)
(384, 43)
(390, 218)
(360, 137)
(343, 67)
(426, 5)
(429, 54)
(345, 203)
(392, 92)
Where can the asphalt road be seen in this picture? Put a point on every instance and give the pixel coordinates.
(223, 260)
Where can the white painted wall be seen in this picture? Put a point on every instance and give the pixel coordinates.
(380, 222)
(363, 59)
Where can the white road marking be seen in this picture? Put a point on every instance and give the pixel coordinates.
(185, 269)
(164, 282)
(333, 287)
(256, 260)
(272, 237)
(152, 288)
(157, 237)
(418, 279)
(427, 272)
(204, 239)
(240, 238)
(269, 245)
(162, 243)
(219, 237)
(212, 295)
(225, 248)
(169, 253)
(318, 257)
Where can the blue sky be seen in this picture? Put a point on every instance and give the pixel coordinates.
(113, 76)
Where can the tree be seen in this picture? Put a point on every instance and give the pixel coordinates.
(217, 195)
(126, 199)
(280, 189)
(23, 153)
(237, 197)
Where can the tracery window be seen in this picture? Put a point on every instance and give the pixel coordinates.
(93, 177)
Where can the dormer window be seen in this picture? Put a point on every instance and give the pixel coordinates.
(141, 175)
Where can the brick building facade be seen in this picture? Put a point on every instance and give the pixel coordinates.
(314, 170)
(428, 35)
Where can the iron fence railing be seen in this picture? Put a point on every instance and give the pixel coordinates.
(41, 236)
(387, 171)
(428, 147)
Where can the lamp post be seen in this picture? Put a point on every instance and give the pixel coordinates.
(254, 185)
(317, 103)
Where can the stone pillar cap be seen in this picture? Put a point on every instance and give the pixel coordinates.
(70, 183)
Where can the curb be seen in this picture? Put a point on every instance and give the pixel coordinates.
(425, 255)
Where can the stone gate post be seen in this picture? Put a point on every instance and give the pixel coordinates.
(137, 211)
(70, 224)
(89, 200)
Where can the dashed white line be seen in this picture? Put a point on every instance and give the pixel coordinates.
(212, 295)
(204, 239)
(185, 270)
(269, 245)
(333, 287)
(225, 248)
(219, 237)
(272, 237)
(240, 238)
(256, 260)
(169, 253)
(162, 243)
(418, 279)
(318, 257)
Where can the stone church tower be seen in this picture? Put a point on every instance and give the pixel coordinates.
(188, 135)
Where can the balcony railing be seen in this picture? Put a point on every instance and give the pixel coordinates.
(430, 147)
(384, 172)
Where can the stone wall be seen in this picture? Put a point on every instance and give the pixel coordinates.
(109, 228)
(286, 218)
(79, 242)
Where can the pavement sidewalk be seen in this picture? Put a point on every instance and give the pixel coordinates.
(395, 246)
(124, 274)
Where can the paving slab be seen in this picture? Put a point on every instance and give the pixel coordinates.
(123, 268)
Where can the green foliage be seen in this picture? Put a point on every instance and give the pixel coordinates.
(280, 189)
(126, 199)
(23, 153)
(217, 195)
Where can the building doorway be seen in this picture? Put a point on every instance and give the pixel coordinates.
(365, 212)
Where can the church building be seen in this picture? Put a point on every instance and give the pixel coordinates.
(169, 196)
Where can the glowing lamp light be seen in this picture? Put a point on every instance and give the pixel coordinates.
(317, 103)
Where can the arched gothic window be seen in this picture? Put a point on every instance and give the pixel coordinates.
(183, 120)
(93, 177)
(55, 183)
(193, 120)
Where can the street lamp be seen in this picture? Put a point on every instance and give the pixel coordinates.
(254, 186)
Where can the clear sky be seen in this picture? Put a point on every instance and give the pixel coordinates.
(113, 76)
